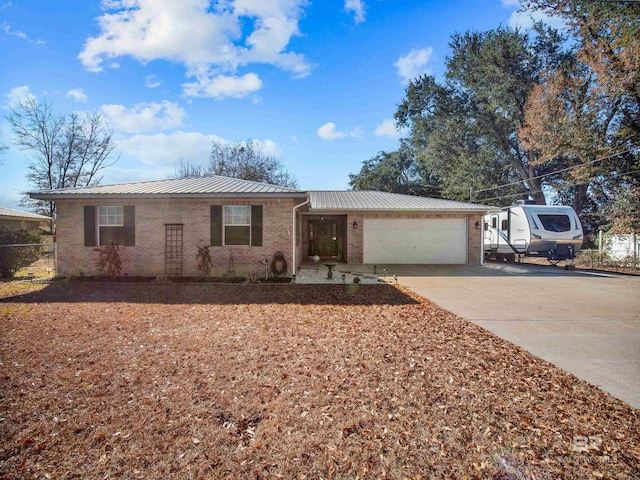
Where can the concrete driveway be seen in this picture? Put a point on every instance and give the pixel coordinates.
(587, 323)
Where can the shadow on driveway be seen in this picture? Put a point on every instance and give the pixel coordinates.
(488, 270)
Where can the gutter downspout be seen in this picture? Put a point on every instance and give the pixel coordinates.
(294, 266)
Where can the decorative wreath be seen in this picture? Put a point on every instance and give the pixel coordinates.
(278, 264)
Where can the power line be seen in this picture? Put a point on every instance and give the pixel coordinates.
(471, 191)
(508, 196)
(569, 185)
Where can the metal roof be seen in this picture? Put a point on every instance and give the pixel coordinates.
(202, 186)
(365, 200)
(218, 186)
(9, 212)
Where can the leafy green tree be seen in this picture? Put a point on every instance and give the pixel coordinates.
(13, 259)
(589, 108)
(465, 129)
(395, 172)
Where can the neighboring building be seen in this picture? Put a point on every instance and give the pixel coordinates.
(17, 219)
(159, 225)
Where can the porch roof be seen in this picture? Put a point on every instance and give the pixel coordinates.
(368, 201)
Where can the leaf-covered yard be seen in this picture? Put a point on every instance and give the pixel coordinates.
(285, 381)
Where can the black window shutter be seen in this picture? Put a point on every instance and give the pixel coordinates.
(216, 225)
(89, 226)
(256, 225)
(129, 225)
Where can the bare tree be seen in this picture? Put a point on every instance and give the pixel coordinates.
(246, 160)
(188, 169)
(68, 150)
(249, 161)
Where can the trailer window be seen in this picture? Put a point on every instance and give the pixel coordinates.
(505, 225)
(555, 223)
(494, 222)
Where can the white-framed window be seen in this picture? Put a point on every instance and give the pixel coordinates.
(108, 218)
(104, 224)
(237, 224)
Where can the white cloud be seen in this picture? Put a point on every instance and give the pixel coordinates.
(329, 132)
(167, 149)
(414, 64)
(6, 28)
(151, 81)
(275, 22)
(357, 7)
(388, 129)
(211, 41)
(510, 3)
(525, 20)
(222, 86)
(148, 30)
(18, 95)
(357, 132)
(144, 117)
(78, 95)
(267, 146)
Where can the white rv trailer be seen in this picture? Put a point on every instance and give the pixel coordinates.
(547, 231)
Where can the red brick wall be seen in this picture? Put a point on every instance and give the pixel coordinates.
(146, 258)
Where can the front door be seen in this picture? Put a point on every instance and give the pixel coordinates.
(324, 238)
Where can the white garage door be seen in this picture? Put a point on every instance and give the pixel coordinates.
(415, 240)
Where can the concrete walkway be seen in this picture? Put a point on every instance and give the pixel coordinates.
(584, 322)
(342, 273)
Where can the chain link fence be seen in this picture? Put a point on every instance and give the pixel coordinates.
(603, 260)
(28, 261)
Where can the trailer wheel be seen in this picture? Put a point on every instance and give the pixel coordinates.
(511, 257)
(500, 257)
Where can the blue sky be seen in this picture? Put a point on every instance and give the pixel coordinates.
(314, 82)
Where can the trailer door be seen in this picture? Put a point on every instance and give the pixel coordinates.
(493, 231)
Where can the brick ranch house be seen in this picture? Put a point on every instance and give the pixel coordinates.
(160, 224)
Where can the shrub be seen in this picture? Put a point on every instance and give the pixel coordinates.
(203, 261)
(13, 259)
(109, 259)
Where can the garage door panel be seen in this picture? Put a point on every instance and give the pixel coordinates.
(402, 241)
